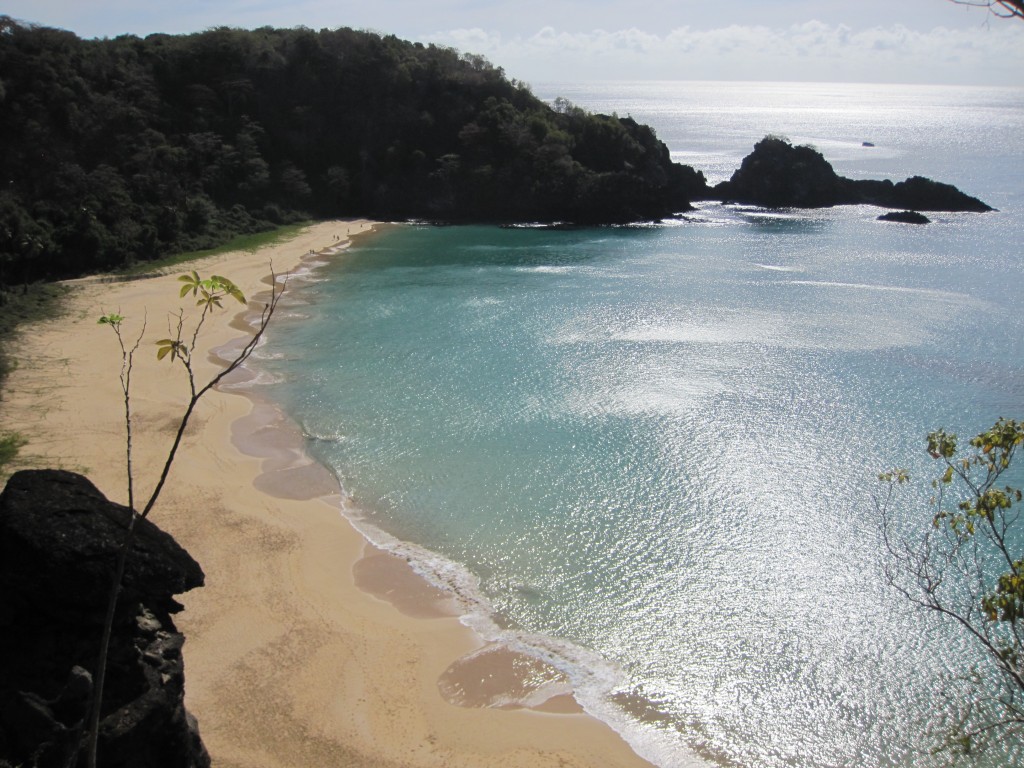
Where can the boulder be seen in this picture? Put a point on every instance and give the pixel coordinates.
(59, 538)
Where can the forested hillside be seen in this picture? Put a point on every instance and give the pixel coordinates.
(118, 151)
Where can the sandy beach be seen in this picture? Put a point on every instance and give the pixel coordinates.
(306, 647)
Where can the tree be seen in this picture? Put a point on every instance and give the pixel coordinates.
(968, 566)
(1007, 9)
(178, 347)
(120, 151)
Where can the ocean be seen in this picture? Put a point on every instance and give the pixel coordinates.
(648, 455)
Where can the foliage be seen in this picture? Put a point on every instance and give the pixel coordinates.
(179, 347)
(969, 566)
(119, 151)
(10, 444)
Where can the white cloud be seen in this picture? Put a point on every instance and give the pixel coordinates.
(812, 50)
(867, 40)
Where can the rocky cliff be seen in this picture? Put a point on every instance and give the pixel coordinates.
(59, 538)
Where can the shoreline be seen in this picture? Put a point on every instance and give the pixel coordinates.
(296, 654)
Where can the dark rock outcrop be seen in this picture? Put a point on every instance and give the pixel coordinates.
(905, 217)
(778, 175)
(59, 539)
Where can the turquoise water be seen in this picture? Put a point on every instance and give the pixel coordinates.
(650, 452)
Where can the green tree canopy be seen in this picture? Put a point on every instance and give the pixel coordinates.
(119, 151)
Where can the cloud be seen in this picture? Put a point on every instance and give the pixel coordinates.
(811, 50)
(678, 41)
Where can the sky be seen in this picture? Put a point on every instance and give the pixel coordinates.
(906, 41)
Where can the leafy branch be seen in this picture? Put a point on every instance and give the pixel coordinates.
(968, 565)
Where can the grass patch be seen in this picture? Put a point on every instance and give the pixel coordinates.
(40, 301)
(10, 443)
(250, 242)
(22, 305)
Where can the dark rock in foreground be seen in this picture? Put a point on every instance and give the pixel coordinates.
(778, 175)
(59, 538)
(905, 217)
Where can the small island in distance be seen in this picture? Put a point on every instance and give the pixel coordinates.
(120, 151)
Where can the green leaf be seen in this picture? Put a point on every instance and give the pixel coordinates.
(191, 282)
(229, 288)
(167, 347)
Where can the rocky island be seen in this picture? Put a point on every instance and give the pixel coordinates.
(905, 217)
(779, 175)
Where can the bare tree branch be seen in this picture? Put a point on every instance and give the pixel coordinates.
(1004, 9)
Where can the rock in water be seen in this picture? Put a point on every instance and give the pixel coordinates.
(778, 175)
(59, 538)
(905, 217)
